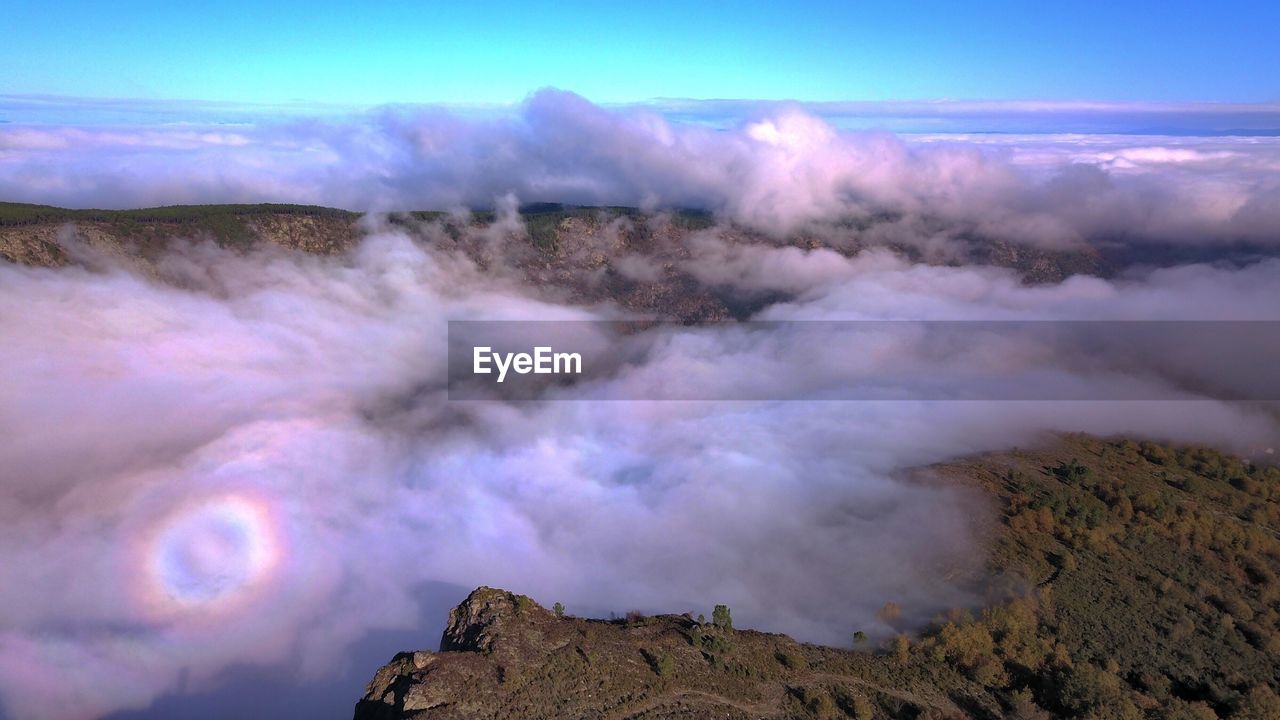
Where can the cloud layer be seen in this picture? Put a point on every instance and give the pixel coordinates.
(778, 168)
(249, 458)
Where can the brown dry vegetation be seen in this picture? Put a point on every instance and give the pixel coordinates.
(1133, 580)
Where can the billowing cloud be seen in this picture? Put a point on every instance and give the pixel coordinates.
(779, 168)
(250, 458)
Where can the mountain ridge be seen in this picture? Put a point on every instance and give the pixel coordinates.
(583, 255)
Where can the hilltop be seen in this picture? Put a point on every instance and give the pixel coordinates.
(39, 234)
(503, 655)
(1132, 580)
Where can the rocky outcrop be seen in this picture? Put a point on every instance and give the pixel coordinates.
(504, 656)
(497, 622)
(639, 261)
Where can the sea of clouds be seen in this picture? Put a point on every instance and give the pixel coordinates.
(250, 457)
(777, 170)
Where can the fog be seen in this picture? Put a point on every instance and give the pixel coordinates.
(247, 459)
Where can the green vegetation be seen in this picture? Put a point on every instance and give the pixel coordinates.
(792, 660)
(660, 662)
(721, 617)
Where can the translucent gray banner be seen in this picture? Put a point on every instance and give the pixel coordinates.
(864, 360)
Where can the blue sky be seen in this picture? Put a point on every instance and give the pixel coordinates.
(342, 53)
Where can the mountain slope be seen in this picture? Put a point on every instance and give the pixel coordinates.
(1131, 580)
(635, 259)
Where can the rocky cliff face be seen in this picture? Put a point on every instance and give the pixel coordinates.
(642, 262)
(505, 656)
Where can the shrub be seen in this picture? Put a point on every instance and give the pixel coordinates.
(791, 660)
(662, 665)
(858, 706)
(721, 617)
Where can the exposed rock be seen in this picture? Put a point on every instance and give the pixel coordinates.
(505, 656)
(581, 255)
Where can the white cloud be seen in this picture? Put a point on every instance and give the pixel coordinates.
(200, 470)
(778, 170)
(248, 459)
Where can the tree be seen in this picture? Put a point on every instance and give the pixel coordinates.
(1071, 472)
(859, 638)
(900, 646)
(1261, 702)
(721, 618)
(1086, 689)
(890, 613)
(558, 609)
